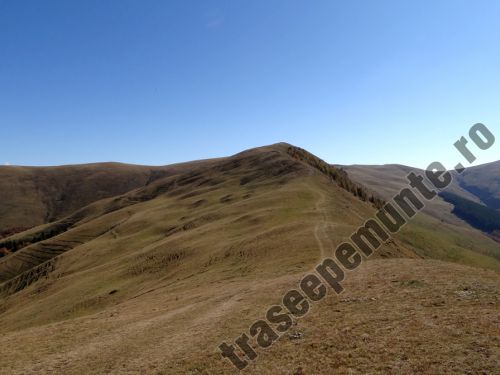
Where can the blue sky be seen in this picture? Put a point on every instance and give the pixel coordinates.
(158, 82)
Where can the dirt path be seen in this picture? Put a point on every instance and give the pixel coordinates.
(319, 230)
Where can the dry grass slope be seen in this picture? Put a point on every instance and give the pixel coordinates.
(150, 281)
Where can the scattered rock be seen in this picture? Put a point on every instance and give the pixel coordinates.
(348, 300)
(296, 336)
(466, 293)
(364, 299)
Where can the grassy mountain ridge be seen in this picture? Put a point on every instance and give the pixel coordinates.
(268, 167)
(192, 172)
(29, 251)
(153, 279)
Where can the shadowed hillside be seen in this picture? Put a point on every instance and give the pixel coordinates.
(483, 182)
(477, 215)
(36, 195)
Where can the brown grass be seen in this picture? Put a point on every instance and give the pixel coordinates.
(150, 282)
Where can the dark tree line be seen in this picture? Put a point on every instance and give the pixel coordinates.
(336, 174)
(477, 215)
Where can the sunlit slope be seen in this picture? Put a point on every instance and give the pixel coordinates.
(152, 280)
(254, 215)
(386, 322)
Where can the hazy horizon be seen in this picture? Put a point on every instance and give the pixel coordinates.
(214, 157)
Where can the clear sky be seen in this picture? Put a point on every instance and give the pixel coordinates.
(158, 82)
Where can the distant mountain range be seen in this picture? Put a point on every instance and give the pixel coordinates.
(474, 195)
